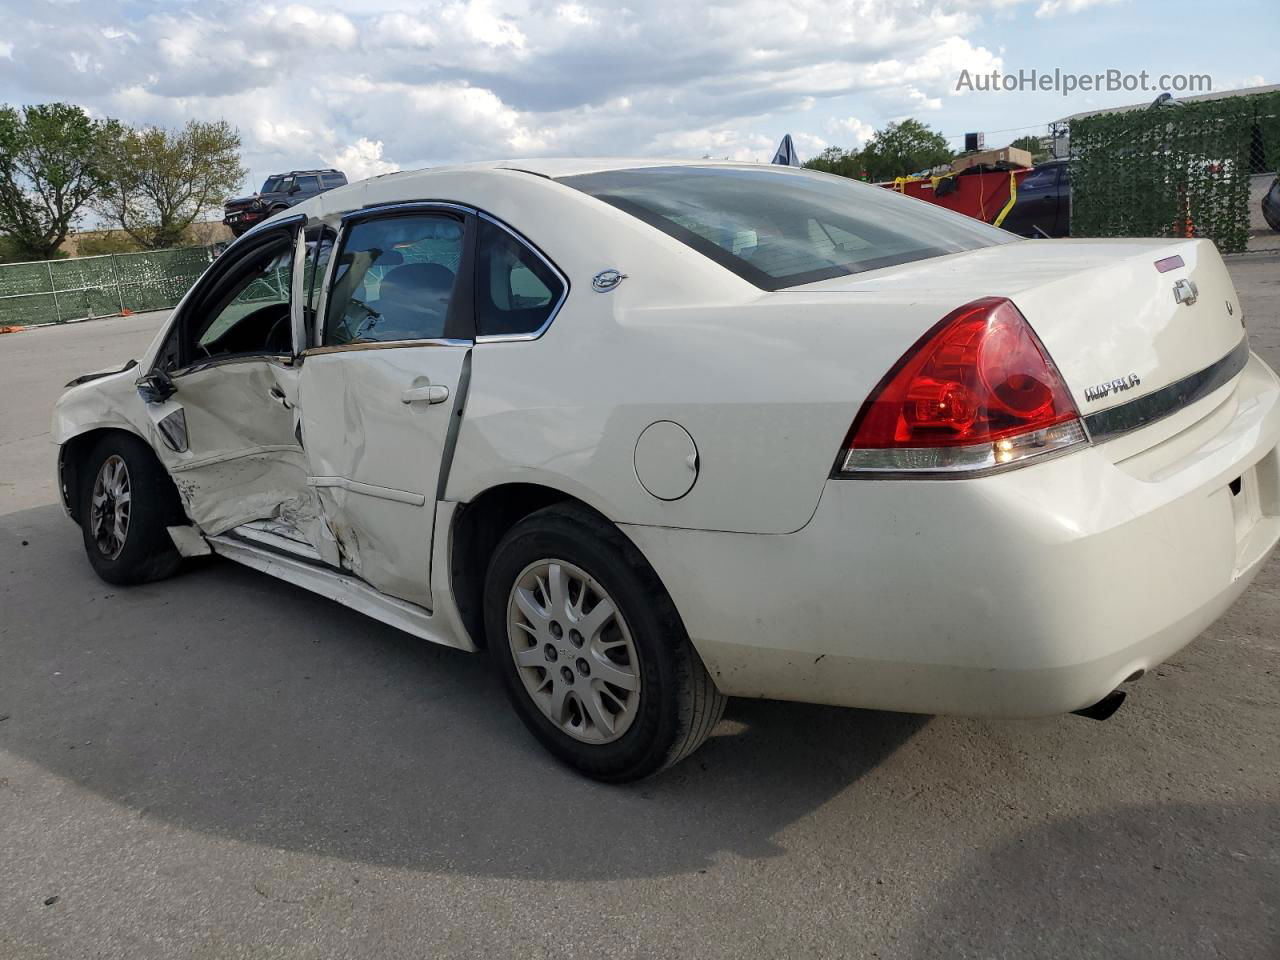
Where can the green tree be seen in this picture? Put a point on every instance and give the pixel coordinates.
(846, 163)
(49, 171)
(904, 148)
(160, 181)
(1034, 146)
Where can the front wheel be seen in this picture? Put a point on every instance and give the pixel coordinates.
(126, 504)
(591, 650)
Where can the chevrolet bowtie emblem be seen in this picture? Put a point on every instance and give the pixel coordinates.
(1186, 291)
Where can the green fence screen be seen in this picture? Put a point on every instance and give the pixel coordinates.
(1173, 171)
(54, 291)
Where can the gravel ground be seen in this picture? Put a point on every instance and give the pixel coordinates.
(223, 765)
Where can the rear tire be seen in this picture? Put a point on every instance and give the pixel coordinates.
(126, 503)
(629, 695)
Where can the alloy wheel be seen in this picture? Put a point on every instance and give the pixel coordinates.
(111, 506)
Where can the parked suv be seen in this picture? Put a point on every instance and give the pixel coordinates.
(1043, 206)
(280, 191)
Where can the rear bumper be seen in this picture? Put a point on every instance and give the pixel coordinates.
(1031, 592)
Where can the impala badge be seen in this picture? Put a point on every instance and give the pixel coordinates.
(1103, 390)
(606, 280)
(1186, 291)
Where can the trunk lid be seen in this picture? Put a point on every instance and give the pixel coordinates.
(1107, 314)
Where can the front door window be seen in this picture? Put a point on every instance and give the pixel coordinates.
(395, 281)
(249, 312)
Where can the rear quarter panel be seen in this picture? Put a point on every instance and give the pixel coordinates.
(767, 387)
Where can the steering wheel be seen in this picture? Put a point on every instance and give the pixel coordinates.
(287, 334)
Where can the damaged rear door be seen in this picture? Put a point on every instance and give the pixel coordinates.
(219, 394)
(381, 390)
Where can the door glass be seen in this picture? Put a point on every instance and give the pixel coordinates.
(319, 244)
(319, 249)
(309, 184)
(517, 291)
(249, 312)
(1045, 178)
(395, 280)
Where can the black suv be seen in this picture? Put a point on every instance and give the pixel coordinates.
(1043, 206)
(280, 191)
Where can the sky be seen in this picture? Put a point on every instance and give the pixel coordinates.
(385, 85)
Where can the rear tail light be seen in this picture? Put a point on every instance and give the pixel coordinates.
(977, 392)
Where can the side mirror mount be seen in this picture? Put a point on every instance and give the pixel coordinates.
(156, 387)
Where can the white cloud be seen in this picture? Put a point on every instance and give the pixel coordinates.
(432, 81)
(1252, 80)
(575, 14)
(362, 159)
(402, 30)
(856, 132)
(1051, 8)
(318, 28)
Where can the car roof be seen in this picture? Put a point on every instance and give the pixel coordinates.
(554, 168)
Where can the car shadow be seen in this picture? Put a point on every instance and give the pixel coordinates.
(1156, 880)
(228, 702)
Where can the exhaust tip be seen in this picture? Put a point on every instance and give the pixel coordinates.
(1104, 708)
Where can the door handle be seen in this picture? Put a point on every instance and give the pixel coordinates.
(429, 393)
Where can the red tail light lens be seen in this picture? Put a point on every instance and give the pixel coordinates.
(978, 391)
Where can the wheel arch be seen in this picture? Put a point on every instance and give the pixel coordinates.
(74, 451)
(477, 527)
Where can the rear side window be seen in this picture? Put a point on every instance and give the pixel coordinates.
(395, 280)
(517, 292)
(779, 227)
(1045, 178)
(333, 180)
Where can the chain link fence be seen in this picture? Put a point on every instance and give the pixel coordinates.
(1188, 169)
(54, 291)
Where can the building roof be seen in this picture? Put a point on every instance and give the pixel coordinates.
(1220, 95)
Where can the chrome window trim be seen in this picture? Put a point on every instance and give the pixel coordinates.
(564, 283)
(1143, 411)
(406, 206)
(321, 350)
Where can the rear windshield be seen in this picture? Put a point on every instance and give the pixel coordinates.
(779, 227)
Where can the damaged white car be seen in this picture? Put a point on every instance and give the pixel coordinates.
(656, 434)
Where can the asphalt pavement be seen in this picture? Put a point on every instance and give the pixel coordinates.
(223, 765)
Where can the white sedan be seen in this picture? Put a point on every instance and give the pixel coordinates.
(656, 434)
